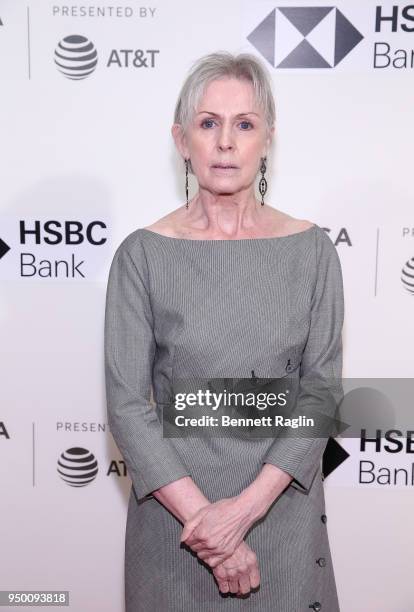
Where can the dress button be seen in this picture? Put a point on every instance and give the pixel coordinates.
(289, 366)
(324, 518)
(316, 606)
(321, 561)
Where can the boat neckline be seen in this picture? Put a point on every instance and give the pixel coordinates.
(221, 240)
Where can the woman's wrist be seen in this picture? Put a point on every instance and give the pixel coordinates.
(257, 498)
(182, 497)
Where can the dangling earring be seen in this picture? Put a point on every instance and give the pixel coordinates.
(186, 181)
(263, 182)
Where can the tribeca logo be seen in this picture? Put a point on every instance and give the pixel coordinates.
(76, 57)
(296, 37)
(3, 431)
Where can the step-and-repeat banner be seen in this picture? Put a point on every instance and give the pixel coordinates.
(87, 157)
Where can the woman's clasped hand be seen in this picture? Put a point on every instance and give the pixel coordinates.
(216, 534)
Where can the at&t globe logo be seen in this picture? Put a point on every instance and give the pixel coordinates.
(77, 466)
(76, 57)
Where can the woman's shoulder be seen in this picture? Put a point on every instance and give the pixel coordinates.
(320, 243)
(170, 225)
(133, 241)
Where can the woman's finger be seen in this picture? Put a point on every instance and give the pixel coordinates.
(192, 523)
(223, 585)
(199, 546)
(244, 582)
(189, 528)
(254, 577)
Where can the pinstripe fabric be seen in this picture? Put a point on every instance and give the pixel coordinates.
(221, 308)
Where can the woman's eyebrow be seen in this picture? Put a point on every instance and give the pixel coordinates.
(238, 115)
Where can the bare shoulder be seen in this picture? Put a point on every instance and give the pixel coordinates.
(169, 225)
(300, 225)
(285, 224)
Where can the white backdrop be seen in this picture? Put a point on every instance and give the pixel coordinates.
(86, 161)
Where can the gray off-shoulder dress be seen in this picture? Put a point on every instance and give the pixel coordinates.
(221, 308)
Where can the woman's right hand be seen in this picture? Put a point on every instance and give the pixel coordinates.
(238, 573)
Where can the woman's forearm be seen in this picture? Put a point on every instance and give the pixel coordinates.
(182, 497)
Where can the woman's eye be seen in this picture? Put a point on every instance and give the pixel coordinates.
(206, 121)
(210, 121)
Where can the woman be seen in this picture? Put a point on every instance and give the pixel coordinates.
(223, 286)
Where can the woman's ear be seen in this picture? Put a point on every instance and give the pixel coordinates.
(269, 141)
(180, 139)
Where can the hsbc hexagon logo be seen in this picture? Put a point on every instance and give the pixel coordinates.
(305, 37)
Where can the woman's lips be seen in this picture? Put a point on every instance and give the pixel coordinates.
(224, 168)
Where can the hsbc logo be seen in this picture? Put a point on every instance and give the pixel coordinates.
(305, 37)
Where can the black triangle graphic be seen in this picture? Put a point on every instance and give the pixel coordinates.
(304, 56)
(3, 248)
(305, 18)
(332, 457)
(346, 37)
(263, 37)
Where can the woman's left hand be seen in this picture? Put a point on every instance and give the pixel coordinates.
(216, 530)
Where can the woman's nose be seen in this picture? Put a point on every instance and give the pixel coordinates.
(225, 139)
(223, 145)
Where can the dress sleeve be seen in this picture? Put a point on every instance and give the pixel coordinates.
(129, 349)
(320, 374)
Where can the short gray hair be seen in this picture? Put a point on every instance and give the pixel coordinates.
(224, 64)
